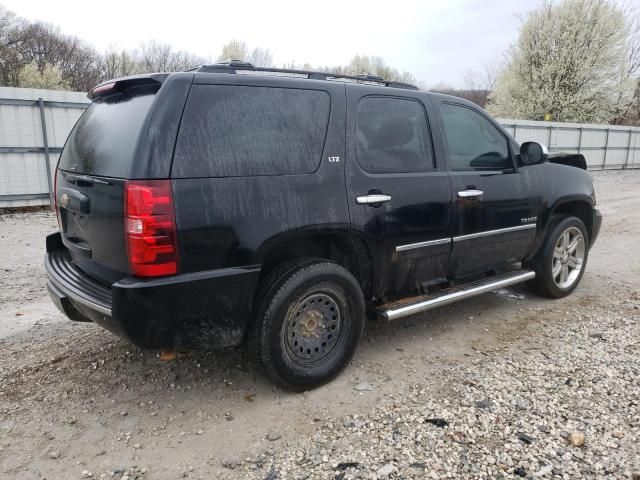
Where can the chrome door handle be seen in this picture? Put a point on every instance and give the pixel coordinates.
(372, 198)
(470, 193)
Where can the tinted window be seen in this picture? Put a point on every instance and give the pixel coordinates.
(104, 140)
(473, 142)
(392, 136)
(242, 131)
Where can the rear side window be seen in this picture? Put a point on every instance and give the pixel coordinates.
(230, 130)
(392, 136)
(104, 140)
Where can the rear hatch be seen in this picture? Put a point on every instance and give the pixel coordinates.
(91, 174)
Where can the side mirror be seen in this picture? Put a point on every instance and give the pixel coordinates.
(534, 153)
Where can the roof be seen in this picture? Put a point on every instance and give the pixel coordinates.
(236, 66)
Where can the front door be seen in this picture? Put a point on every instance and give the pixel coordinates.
(399, 196)
(496, 204)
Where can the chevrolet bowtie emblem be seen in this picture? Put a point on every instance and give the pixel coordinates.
(64, 200)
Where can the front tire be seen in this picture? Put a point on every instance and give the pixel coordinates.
(561, 262)
(309, 319)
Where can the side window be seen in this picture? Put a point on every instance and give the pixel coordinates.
(230, 130)
(473, 142)
(392, 135)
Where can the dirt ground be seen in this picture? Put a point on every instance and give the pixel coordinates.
(78, 402)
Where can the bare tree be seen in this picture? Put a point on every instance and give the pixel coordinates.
(80, 64)
(119, 63)
(483, 79)
(40, 46)
(160, 57)
(42, 43)
(260, 57)
(183, 60)
(477, 96)
(477, 85)
(155, 57)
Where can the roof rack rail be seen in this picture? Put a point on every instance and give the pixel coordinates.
(235, 65)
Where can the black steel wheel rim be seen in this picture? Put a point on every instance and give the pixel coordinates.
(313, 328)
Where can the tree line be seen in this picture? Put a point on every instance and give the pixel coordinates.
(574, 61)
(39, 55)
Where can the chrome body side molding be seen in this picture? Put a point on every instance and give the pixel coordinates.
(430, 243)
(494, 232)
(442, 241)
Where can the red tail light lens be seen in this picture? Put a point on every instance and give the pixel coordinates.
(150, 228)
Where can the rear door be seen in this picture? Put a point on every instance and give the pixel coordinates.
(96, 160)
(399, 195)
(496, 204)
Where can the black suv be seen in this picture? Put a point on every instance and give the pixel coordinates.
(227, 204)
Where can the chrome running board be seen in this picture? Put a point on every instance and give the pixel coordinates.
(413, 305)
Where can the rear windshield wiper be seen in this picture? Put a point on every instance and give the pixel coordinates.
(78, 179)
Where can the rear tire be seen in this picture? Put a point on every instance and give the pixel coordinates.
(562, 259)
(309, 318)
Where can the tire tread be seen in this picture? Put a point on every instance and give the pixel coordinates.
(274, 286)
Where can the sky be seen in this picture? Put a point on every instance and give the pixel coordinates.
(437, 41)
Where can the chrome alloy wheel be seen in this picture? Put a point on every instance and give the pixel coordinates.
(568, 258)
(313, 328)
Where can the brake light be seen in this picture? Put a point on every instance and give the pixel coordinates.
(150, 228)
(102, 89)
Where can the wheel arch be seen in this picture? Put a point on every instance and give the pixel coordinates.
(579, 206)
(342, 247)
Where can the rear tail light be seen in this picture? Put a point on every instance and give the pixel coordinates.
(150, 228)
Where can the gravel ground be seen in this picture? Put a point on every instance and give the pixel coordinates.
(506, 385)
(562, 405)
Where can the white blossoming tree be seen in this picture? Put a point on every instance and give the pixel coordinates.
(573, 61)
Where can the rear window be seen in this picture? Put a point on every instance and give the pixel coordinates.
(230, 130)
(103, 142)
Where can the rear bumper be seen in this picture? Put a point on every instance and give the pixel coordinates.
(195, 310)
(595, 226)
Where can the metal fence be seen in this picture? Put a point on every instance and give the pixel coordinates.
(34, 125)
(603, 146)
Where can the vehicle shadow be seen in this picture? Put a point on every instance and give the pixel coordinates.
(93, 357)
(96, 359)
